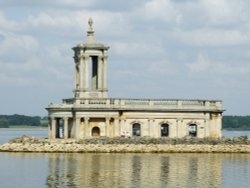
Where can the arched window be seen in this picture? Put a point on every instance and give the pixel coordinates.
(164, 130)
(136, 129)
(96, 131)
(192, 130)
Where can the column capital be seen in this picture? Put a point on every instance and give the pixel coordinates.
(86, 55)
(77, 118)
(122, 119)
(179, 119)
(107, 118)
(86, 119)
(100, 57)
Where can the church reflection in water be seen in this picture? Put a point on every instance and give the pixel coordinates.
(134, 170)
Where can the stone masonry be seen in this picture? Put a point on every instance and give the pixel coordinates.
(91, 113)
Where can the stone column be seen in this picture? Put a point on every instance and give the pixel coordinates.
(205, 127)
(215, 125)
(76, 76)
(152, 128)
(122, 129)
(86, 72)
(50, 128)
(77, 128)
(206, 124)
(65, 120)
(105, 72)
(100, 73)
(82, 72)
(149, 129)
(86, 124)
(107, 124)
(172, 129)
(178, 124)
(116, 127)
(53, 128)
(219, 125)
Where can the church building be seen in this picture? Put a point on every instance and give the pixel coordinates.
(92, 113)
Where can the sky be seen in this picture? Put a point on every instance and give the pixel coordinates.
(166, 49)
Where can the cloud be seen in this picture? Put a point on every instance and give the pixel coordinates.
(213, 37)
(6, 25)
(17, 47)
(202, 64)
(158, 47)
(49, 4)
(225, 12)
(212, 68)
(161, 10)
(236, 70)
(6, 80)
(137, 49)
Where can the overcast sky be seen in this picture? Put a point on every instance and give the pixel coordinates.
(187, 49)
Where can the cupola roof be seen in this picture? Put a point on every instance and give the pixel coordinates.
(91, 42)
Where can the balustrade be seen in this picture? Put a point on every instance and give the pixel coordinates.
(140, 103)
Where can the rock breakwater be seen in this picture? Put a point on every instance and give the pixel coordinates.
(29, 144)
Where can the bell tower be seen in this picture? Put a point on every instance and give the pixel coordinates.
(90, 77)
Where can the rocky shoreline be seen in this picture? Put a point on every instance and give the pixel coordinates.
(75, 146)
(124, 148)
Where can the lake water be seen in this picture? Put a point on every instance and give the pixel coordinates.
(28, 170)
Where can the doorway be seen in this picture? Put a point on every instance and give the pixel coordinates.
(96, 131)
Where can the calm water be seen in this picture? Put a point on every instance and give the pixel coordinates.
(7, 134)
(28, 170)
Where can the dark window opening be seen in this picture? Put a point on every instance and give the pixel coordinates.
(93, 70)
(136, 129)
(192, 130)
(164, 130)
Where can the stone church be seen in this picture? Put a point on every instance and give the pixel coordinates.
(91, 113)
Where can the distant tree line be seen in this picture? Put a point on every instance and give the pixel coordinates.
(21, 120)
(228, 122)
(236, 122)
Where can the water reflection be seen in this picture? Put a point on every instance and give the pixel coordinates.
(134, 170)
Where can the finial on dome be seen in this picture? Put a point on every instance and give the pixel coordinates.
(90, 31)
(90, 23)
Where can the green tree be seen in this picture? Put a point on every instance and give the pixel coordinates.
(4, 123)
(236, 122)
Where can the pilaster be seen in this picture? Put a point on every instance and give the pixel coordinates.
(82, 71)
(65, 120)
(86, 124)
(100, 73)
(77, 127)
(122, 129)
(179, 127)
(116, 127)
(86, 72)
(149, 128)
(53, 128)
(219, 124)
(105, 71)
(152, 128)
(107, 125)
